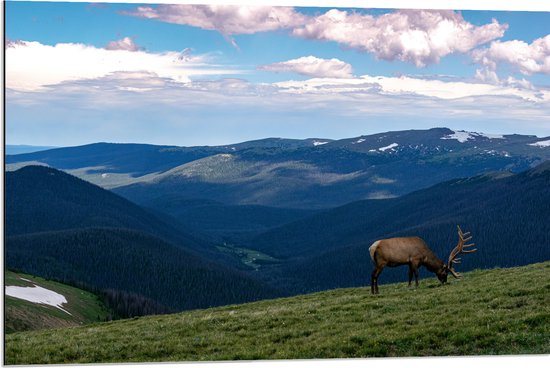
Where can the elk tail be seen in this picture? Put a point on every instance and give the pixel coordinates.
(372, 249)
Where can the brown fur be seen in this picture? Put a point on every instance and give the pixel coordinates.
(411, 251)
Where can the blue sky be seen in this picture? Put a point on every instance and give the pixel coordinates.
(78, 73)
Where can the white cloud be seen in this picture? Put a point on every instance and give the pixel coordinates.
(526, 58)
(125, 43)
(312, 66)
(418, 36)
(396, 96)
(122, 106)
(13, 43)
(399, 86)
(226, 19)
(32, 65)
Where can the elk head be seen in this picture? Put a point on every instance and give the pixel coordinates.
(459, 249)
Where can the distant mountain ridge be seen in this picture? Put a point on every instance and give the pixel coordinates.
(305, 174)
(16, 149)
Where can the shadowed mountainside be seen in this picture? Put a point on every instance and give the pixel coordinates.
(63, 228)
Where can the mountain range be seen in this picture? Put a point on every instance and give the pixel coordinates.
(301, 174)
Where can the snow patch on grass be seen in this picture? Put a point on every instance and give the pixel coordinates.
(37, 294)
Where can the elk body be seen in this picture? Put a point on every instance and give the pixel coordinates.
(414, 252)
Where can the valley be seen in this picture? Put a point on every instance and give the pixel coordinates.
(250, 257)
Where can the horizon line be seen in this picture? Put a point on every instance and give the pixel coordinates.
(6, 144)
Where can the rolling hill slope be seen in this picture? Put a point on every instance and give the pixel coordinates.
(226, 223)
(16, 149)
(40, 199)
(372, 167)
(499, 311)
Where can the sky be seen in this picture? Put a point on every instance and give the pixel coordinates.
(187, 75)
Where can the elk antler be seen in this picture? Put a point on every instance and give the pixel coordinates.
(459, 249)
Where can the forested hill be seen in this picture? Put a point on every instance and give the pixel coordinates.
(69, 221)
(40, 199)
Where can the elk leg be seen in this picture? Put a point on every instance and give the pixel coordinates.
(374, 279)
(413, 268)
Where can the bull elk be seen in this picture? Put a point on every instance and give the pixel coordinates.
(414, 252)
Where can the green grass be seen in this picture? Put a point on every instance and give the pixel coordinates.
(250, 257)
(499, 311)
(21, 315)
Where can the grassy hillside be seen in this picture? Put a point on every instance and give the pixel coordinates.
(22, 315)
(499, 311)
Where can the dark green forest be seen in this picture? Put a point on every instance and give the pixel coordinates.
(42, 199)
(116, 260)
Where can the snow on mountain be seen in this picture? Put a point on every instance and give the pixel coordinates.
(491, 136)
(393, 145)
(541, 143)
(463, 136)
(319, 143)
